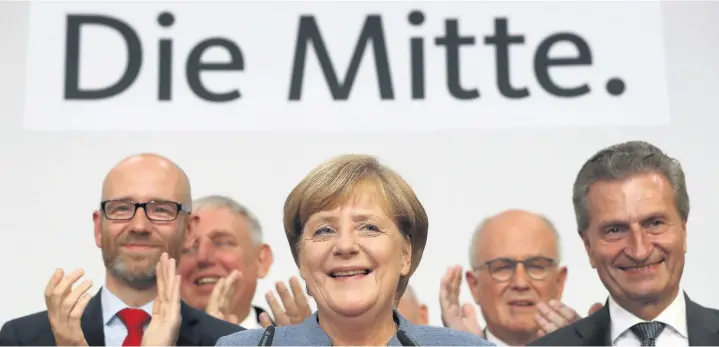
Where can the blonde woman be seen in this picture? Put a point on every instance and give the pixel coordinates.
(357, 232)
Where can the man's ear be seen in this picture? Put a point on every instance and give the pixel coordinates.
(561, 279)
(265, 258)
(684, 234)
(423, 315)
(473, 284)
(192, 220)
(97, 223)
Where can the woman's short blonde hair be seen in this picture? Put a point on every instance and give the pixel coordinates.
(335, 181)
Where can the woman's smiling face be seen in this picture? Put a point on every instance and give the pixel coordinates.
(352, 254)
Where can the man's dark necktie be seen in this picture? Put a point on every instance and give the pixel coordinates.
(648, 332)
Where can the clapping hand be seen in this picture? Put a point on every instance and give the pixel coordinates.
(65, 306)
(296, 306)
(454, 316)
(220, 304)
(165, 324)
(556, 315)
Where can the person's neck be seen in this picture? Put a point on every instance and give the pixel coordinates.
(513, 338)
(369, 329)
(241, 312)
(130, 296)
(648, 309)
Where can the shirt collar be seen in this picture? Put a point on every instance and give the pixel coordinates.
(493, 338)
(674, 316)
(111, 305)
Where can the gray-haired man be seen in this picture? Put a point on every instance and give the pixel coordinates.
(221, 265)
(632, 207)
(515, 277)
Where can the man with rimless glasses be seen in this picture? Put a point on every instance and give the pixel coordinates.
(514, 277)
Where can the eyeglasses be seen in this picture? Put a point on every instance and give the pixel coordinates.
(158, 210)
(503, 269)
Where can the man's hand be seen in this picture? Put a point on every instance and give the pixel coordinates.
(462, 318)
(65, 306)
(165, 324)
(557, 315)
(296, 306)
(220, 304)
(594, 308)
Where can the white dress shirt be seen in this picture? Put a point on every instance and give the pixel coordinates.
(492, 338)
(674, 317)
(115, 330)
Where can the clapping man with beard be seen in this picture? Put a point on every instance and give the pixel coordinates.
(141, 225)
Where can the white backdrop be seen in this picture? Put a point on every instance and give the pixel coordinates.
(50, 181)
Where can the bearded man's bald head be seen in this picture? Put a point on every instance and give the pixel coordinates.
(154, 169)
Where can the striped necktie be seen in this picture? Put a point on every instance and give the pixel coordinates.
(648, 332)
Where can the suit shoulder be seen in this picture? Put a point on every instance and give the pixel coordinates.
(712, 310)
(289, 335)
(441, 336)
(707, 313)
(25, 330)
(249, 337)
(213, 328)
(564, 336)
(223, 327)
(31, 319)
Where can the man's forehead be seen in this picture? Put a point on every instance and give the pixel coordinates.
(212, 233)
(143, 186)
(213, 221)
(139, 189)
(146, 175)
(632, 198)
(518, 241)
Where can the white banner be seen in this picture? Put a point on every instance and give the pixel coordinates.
(346, 66)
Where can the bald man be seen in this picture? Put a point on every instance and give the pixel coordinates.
(518, 303)
(144, 212)
(410, 307)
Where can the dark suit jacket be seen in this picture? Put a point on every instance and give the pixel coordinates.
(595, 330)
(197, 328)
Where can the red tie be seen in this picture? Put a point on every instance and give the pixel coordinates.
(134, 320)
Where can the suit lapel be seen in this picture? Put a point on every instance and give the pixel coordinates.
(189, 336)
(92, 322)
(702, 324)
(595, 330)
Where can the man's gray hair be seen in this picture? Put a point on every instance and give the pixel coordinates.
(220, 201)
(474, 243)
(620, 161)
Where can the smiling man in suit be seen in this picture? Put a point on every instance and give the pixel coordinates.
(227, 239)
(144, 212)
(632, 206)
